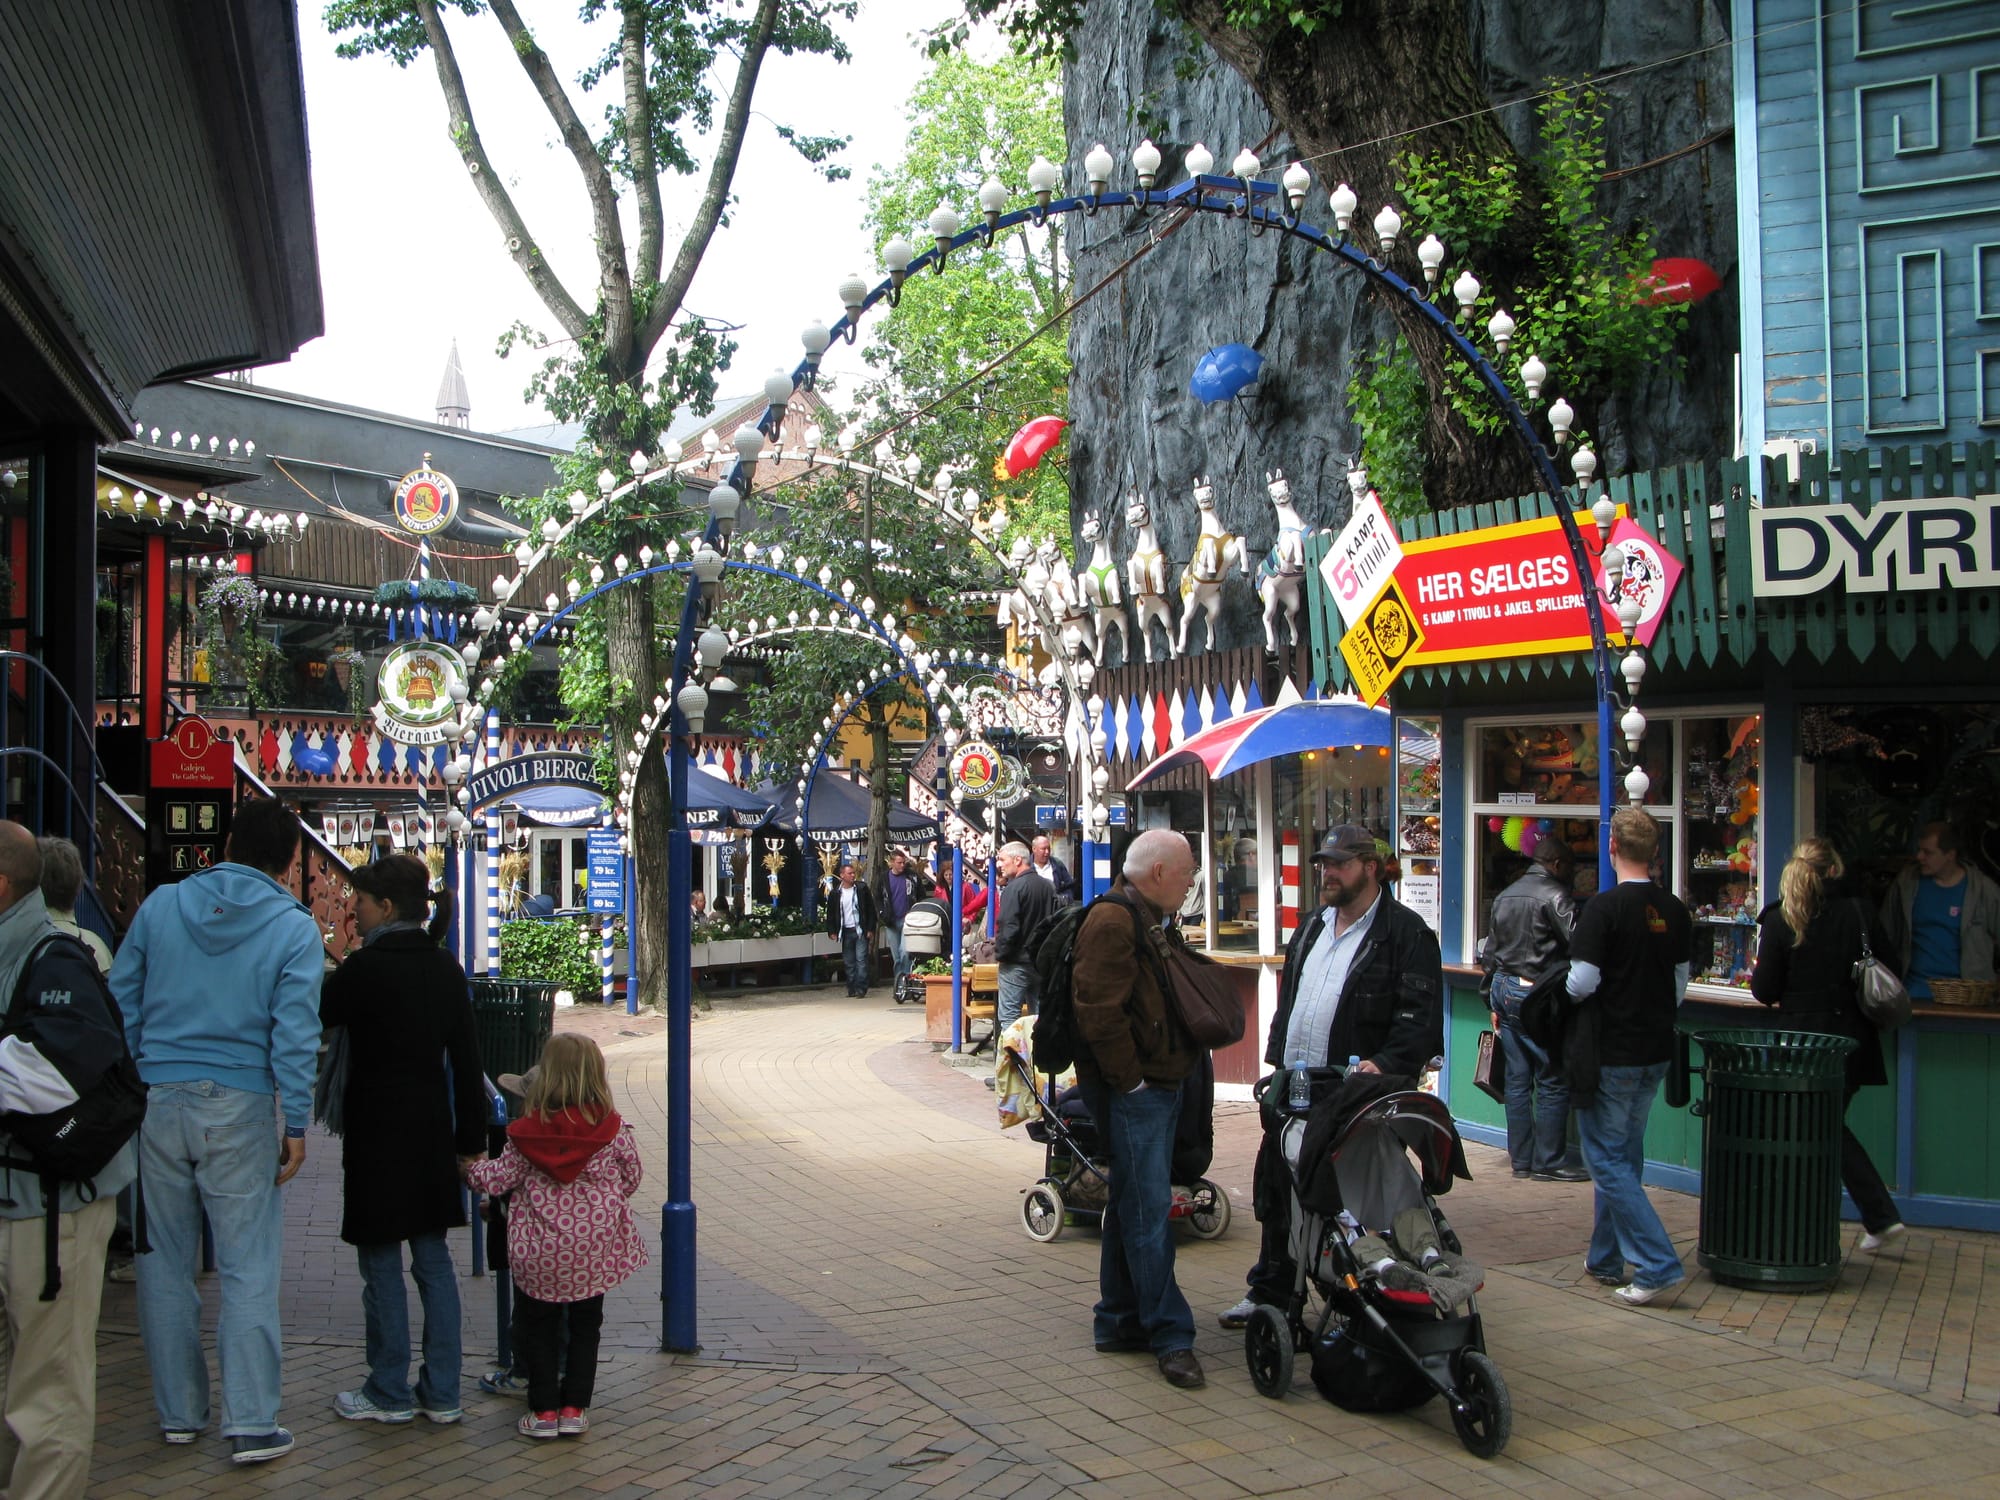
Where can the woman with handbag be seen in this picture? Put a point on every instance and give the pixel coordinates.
(1808, 945)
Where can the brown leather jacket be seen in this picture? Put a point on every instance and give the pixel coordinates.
(1120, 1009)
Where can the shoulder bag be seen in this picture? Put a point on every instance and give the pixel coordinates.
(1203, 995)
(1877, 990)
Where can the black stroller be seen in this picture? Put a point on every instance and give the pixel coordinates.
(1073, 1182)
(1377, 1346)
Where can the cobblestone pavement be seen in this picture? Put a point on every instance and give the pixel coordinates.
(874, 1321)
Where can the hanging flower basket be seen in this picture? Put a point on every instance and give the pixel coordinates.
(407, 591)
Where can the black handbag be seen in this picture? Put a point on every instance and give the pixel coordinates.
(1489, 1073)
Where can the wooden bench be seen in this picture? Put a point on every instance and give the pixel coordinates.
(982, 1002)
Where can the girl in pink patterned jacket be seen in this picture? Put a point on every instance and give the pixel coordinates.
(571, 1166)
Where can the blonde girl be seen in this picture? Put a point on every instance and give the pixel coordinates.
(572, 1166)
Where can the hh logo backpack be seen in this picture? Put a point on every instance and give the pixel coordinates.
(70, 1094)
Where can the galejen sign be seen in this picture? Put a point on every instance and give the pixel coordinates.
(1900, 544)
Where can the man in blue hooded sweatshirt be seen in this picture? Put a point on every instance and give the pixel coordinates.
(219, 983)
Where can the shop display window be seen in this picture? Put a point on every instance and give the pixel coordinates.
(1231, 866)
(1536, 780)
(1419, 809)
(1320, 789)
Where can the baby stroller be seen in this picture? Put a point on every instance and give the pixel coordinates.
(1073, 1181)
(1385, 1337)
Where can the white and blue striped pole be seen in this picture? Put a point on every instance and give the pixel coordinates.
(493, 842)
(604, 938)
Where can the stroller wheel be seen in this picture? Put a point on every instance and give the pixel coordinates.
(1042, 1212)
(1211, 1220)
(1484, 1412)
(1267, 1349)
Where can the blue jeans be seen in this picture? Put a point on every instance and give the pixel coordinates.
(386, 1308)
(899, 954)
(1613, 1132)
(1537, 1096)
(204, 1147)
(854, 957)
(1137, 1294)
(1018, 992)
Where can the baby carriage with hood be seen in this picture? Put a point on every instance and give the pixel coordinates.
(1074, 1183)
(1397, 1318)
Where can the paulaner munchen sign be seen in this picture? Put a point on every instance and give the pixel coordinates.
(1900, 544)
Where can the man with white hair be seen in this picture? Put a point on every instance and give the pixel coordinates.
(1024, 904)
(1134, 1060)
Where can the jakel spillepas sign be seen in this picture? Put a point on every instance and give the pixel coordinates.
(1897, 545)
(413, 692)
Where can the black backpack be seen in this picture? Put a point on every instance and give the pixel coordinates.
(62, 1013)
(1056, 1043)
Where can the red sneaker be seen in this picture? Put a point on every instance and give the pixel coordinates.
(538, 1424)
(572, 1421)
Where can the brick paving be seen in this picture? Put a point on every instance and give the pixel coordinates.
(874, 1322)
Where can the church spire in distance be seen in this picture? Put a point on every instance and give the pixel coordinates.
(454, 405)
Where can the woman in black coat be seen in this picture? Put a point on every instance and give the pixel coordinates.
(1807, 947)
(415, 1104)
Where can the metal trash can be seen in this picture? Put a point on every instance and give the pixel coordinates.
(512, 1019)
(1770, 1156)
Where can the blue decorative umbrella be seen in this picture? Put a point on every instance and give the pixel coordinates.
(1224, 372)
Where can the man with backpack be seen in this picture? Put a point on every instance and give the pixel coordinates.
(219, 982)
(1132, 1060)
(1025, 904)
(48, 1380)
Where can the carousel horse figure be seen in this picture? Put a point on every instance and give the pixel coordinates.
(1102, 595)
(1146, 577)
(1064, 597)
(1017, 606)
(1201, 579)
(1281, 576)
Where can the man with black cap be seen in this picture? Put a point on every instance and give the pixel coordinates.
(1363, 980)
(1526, 937)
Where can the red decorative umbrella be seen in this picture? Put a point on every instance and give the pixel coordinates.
(1026, 448)
(1680, 279)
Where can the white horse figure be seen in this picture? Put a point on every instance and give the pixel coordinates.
(1016, 607)
(1146, 577)
(1102, 594)
(1064, 597)
(1281, 576)
(1201, 579)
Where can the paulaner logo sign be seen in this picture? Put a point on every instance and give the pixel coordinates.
(1900, 544)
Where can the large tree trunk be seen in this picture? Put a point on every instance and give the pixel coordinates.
(1346, 97)
(630, 622)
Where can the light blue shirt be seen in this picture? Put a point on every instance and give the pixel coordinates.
(1321, 979)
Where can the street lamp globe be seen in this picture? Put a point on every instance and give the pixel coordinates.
(1199, 159)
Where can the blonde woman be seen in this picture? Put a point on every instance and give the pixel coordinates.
(1807, 946)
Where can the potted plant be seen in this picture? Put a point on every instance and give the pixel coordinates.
(936, 975)
(242, 664)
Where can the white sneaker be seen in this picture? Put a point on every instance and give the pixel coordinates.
(1877, 1240)
(1239, 1315)
(1638, 1296)
(356, 1407)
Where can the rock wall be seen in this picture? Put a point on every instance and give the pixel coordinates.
(1135, 341)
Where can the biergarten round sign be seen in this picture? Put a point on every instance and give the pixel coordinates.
(413, 692)
(975, 766)
(426, 500)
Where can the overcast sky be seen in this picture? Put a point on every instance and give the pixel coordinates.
(410, 258)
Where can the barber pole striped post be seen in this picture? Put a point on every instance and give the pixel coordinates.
(493, 840)
(1288, 885)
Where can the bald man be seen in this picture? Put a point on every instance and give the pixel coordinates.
(1136, 1058)
(48, 1381)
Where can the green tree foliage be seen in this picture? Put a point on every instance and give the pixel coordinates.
(971, 121)
(623, 355)
(1581, 306)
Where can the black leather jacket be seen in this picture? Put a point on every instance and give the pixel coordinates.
(1529, 931)
(1391, 1010)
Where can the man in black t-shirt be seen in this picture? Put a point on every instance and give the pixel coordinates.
(1629, 959)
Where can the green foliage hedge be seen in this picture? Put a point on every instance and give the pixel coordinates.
(561, 951)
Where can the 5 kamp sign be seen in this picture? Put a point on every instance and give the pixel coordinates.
(1382, 641)
(1362, 558)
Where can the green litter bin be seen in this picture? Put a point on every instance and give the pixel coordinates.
(512, 1019)
(1770, 1156)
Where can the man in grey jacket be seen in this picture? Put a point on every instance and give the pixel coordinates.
(48, 1378)
(1943, 916)
(1526, 937)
